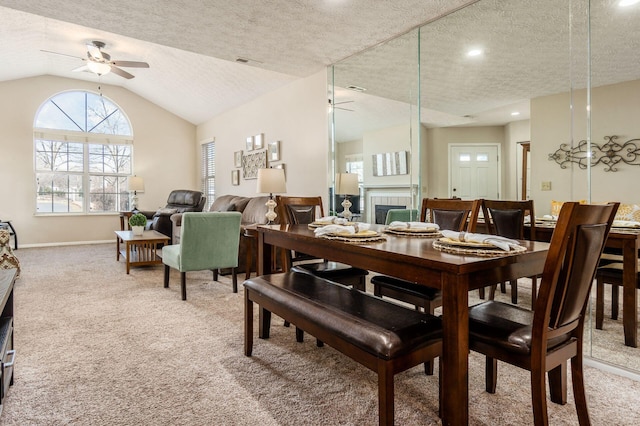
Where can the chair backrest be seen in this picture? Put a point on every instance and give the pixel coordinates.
(401, 215)
(299, 210)
(452, 214)
(506, 218)
(576, 245)
(186, 200)
(209, 240)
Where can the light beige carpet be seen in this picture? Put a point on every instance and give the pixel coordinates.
(98, 347)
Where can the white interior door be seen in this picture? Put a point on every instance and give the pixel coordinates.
(474, 171)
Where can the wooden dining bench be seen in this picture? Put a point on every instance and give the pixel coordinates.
(382, 336)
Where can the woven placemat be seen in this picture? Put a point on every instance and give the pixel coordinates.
(414, 234)
(488, 252)
(358, 240)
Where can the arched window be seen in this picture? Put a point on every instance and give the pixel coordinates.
(83, 147)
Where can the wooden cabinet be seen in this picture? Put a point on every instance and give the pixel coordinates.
(7, 351)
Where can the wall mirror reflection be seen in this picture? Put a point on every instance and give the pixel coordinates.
(506, 82)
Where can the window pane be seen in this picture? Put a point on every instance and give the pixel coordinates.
(59, 193)
(465, 157)
(104, 193)
(59, 156)
(482, 156)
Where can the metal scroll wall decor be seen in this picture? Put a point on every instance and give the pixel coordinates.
(610, 154)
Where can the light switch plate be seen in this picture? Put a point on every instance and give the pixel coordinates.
(545, 186)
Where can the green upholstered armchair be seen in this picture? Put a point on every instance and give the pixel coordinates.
(207, 241)
(401, 215)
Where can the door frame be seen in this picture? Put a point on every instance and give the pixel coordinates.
(450, 161)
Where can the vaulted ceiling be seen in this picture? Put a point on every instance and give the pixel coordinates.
(192, 46)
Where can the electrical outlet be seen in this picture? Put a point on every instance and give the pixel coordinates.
(545, 186)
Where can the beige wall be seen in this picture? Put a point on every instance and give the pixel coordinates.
(296, 115)
(392, 139)
(346, 148)
(614, 111)
(438, 152)
(164, 155)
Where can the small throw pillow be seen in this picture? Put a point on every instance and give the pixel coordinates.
(166, 211)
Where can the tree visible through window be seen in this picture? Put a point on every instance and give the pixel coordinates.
(83, 154)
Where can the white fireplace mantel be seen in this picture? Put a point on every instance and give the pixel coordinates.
(397, 195)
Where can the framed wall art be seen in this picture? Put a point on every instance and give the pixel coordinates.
(258, 141)
(251, 163)
(237, 159)
(273, 151)
(249, 145)
(281, 166)
(235, 177)
(390, 163)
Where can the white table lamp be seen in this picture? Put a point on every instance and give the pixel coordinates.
(347, 184)
(271, 181)
(136, 184)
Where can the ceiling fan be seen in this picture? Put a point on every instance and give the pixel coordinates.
(99, 62)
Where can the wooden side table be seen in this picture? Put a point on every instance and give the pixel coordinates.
(140, 249)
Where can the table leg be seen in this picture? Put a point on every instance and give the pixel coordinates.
(117, 248)
(629, 294)
(455, 350)
(128, 248)
(264, 256)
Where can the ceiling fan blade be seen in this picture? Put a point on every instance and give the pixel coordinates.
(61, 54)
(94, 52)
(131, 64)
(121, 73)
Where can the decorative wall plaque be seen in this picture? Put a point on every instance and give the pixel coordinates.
(610, 154)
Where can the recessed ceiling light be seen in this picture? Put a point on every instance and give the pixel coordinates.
(474, 52)
(625, 3)
(514, 113)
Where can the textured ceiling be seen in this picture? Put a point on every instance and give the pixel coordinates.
(531, 49)
(192, 45)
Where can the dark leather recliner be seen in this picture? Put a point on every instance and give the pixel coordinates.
(179, 201)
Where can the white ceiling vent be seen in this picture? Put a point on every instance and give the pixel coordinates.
(356, 88)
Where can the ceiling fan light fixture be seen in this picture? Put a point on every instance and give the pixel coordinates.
(99, 68)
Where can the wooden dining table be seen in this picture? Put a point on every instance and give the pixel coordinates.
(626, 241)
(415, 259)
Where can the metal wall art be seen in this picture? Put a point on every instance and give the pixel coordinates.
(610, 154)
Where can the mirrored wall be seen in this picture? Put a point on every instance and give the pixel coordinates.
(499, 100)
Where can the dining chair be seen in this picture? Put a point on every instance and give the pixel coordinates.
(452, 214)
(208, 241)
(303, 211)
(610, 274)
(507, 219)
(541, 341)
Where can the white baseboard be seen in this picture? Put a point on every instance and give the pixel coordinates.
(68, 243)
(601, 365)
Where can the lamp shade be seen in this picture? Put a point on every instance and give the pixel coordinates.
(271, 181)
(136, 183)
(347, 184)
